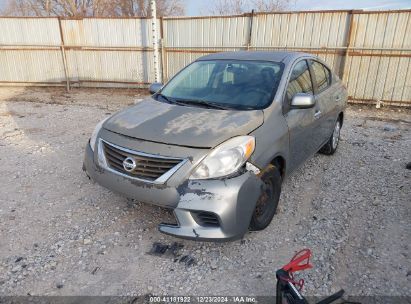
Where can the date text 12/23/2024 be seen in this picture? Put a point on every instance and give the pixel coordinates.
(202, 299)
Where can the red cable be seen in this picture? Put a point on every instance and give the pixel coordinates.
(297, 262)
(300, 261)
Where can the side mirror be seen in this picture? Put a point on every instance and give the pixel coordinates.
(302, 101)
(155, 87)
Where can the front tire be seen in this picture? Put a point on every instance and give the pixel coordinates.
(332, 144)
(267, 203)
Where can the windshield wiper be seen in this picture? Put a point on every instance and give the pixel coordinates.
(167, 99)
(202, 103)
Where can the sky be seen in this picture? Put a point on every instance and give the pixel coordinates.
(199, 7)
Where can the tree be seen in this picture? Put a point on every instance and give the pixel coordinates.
(91, 8)
(271, 5)
(142, 7)
(227, 7)
(236, 7)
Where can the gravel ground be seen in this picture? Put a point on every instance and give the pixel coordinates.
(61, 234)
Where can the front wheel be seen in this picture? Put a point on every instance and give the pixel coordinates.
(331, 146)
(267, 203)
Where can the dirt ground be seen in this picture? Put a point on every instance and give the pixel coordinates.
(61, 234)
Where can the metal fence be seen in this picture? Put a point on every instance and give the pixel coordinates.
(86, 52)
(370, 51)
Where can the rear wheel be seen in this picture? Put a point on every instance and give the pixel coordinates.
(267, 203)
(331, 146)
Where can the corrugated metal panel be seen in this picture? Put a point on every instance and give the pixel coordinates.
(120, 50)
(302, 31)
(46, 65)
(107, 32)
(29, 31)
(179, 58)
(186, 38)
(118, 64)
(380, 75)
(31, 66)
(207, 32)
(269, 32)
(115, 66)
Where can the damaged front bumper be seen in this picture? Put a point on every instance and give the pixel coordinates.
(206, 210)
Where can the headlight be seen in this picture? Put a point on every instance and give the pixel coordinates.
(93, 137)
(226, 158)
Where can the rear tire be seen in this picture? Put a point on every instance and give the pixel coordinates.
(332, 144)
(267, 203)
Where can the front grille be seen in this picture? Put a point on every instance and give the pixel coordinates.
(149, 167)
(206, 219)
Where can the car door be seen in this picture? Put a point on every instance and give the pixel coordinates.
(324, 99)
(301, 122)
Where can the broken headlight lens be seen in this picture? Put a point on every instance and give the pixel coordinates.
(93, 137)
(226, 158)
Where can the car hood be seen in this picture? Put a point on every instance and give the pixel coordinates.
(182, 125)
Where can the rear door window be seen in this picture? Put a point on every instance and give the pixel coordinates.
(322, 76)
(300, 81)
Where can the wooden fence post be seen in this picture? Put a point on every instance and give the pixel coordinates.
(346, 53)
(164, 74)
(249, 40)
(63, 56)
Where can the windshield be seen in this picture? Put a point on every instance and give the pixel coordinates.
(224, 84)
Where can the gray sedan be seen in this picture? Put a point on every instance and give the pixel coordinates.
(216, 142)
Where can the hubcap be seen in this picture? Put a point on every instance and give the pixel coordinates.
(336, 135)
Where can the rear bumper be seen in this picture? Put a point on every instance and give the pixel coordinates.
(230, 201)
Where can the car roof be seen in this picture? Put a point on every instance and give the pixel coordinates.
(276, 56)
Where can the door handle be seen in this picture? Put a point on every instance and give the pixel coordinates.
(317, 114)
